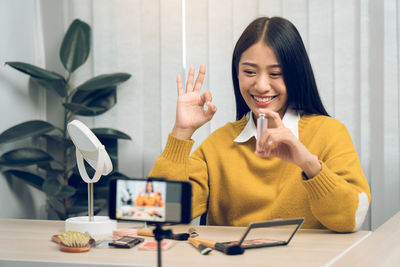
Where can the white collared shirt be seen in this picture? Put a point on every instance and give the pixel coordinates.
(290, 120)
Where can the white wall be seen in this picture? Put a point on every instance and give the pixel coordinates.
(384, 108)
(21, 40)
(353, 45)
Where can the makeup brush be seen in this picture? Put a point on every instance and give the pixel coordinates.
(192, 232)
(73, 241)
(204, 250)
(180, 236)
(227, 249)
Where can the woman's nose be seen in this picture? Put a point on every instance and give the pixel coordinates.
(263, 84)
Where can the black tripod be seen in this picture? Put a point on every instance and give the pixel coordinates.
(159, 234)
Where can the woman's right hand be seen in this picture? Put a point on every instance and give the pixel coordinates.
(190, 112)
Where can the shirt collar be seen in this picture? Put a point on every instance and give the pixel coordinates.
(290, 120)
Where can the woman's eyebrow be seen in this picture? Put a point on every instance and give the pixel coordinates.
(255, 65)
(249, 64)
(274, 66)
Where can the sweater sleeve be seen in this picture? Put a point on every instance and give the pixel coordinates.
(175, 163)
(339, 195)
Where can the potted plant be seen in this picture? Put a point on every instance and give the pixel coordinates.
(49, 163)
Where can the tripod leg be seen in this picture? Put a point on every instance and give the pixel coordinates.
(159, 234)
(159, 253)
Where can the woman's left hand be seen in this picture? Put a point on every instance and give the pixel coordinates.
(280, 142)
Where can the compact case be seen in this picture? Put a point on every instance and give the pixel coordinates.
(268, 233)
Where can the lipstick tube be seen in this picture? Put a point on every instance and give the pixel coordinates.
(262, 123)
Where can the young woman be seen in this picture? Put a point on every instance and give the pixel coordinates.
(305, 164)
(149, 198)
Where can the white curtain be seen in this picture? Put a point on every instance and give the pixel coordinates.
(353, 46)
(21, 40)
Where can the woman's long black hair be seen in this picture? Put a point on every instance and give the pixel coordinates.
(284, 39)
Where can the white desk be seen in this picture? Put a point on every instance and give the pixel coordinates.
(27, 243)
(382, 248)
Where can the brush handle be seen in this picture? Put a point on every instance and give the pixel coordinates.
(227, 249)
(195, 244)
(74, 249)
(145, 232)
(205, 242)
(55, 239)
(204, 250)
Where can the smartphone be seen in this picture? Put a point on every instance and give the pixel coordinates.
(126, 242)
(150, 200)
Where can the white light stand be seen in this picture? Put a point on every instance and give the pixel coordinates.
(89, 148)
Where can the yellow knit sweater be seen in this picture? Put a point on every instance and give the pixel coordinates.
(236, 187)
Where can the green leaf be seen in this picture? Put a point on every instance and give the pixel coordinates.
(82, 109)
(79, 203)
(57, 206)
(51, 186)
(86, 97)
(30, 178)
(77, 209)
(105, 99)
(35, 72)
(103, 81)
(57, 140)
(66, 191)
(102, 192)
(75, 47)
(101, 100)
(57, 86)
(49, 169)
(110, 133)
(80, 198)
(25, 129)
(111, 146)
(24, 157)
(76, 181)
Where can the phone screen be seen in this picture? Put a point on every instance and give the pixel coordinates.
(151, 200)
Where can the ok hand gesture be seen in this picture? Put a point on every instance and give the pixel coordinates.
(190, 111)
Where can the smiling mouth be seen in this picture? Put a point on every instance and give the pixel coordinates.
(263, 99)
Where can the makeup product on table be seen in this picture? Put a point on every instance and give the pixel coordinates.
(262, 123)
(73, 241)
(152, 245)
(126, 242)
(201, 248)
(180, 236)
(192, 232)
(227, 249)
(124, 232)
(204, 250)
(278, 232)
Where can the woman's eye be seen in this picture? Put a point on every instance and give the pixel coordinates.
(249, 72)
(275, 74)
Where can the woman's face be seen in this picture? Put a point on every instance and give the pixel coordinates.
(149, 187)
(261, 80)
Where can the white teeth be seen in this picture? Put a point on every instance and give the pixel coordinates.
(263, 99)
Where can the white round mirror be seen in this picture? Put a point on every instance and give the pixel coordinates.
(89, 148)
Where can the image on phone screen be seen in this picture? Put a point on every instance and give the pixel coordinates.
(140, 200)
